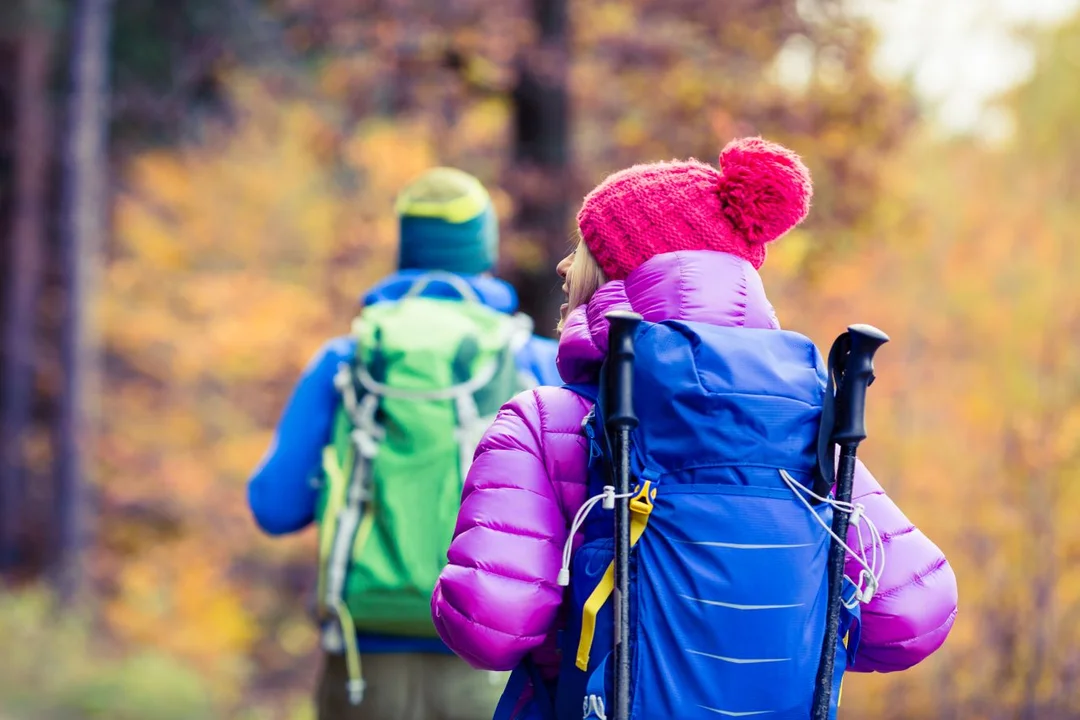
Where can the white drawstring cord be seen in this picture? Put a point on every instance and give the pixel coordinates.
(871, 573)
(877, 561)
(608, 498)
(872, 570)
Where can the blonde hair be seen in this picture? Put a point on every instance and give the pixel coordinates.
(583, 279)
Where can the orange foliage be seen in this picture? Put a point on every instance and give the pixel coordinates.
(236, 256)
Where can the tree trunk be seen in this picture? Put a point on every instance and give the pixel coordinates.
(540, 178)
(23, 277)
(84, 198)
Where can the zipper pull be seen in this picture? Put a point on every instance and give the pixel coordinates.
(590, 434)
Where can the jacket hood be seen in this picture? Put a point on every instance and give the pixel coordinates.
(702, 286)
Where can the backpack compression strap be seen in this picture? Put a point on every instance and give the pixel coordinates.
(353, 516)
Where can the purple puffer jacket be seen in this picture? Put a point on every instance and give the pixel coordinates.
(498, 599)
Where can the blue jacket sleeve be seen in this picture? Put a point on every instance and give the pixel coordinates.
(538, 358)
(280, 492)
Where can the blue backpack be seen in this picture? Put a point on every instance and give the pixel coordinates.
(728, 568)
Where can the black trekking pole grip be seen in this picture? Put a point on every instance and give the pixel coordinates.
(858, 374)
(852, 362)
(620, 420)
(620, 410)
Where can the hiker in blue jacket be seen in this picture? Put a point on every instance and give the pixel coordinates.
(446, 223)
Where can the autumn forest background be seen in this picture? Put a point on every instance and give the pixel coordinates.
(194, 193)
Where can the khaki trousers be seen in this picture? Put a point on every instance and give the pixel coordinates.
(410, 687)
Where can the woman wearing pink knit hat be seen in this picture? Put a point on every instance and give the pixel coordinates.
(680, 244)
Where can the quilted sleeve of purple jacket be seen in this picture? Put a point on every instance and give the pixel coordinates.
(498, 598)
(915, 606)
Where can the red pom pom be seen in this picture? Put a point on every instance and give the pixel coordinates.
(765, 190)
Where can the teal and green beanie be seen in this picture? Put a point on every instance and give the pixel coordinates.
(447, 222)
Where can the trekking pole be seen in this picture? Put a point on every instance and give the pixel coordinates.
(851, 363)
(620, 421)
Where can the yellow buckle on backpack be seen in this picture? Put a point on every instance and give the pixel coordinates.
(641, 506)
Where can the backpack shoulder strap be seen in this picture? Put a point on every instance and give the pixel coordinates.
(526, 673)
(593, 423)
(586, 390)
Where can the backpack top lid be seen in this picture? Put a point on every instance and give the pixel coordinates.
(492, 292)
(424, 330)
(712, 395)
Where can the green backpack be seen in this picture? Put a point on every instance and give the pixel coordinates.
(428, 376)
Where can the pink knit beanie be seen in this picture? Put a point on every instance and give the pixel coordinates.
(760, 191)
